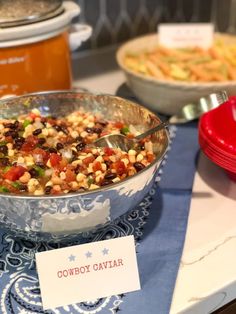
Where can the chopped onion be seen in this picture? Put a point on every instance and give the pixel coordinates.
(38, 125)
(48, 172)
(66, 153)
(38, 157)
(21, 164)
(51, 141)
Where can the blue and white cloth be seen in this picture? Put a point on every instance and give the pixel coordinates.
(158, 224)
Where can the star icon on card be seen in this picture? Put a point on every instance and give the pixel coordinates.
(105, 251)
(88, 254)
(72, 258)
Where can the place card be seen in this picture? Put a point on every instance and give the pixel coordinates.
(87, 272)
(182, 35)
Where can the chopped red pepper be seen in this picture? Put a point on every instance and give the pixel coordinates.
(62, 164)
(108, 151)
(70, 175)
(88, 160)
(14, 173)
(55, 159)
(41, 153)
(150, 157)
(119, 166)
(97, 166)
(30, 143)
(119, 125)
(33, 115)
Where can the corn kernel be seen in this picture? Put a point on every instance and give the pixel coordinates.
(80, 177)
(99, 158)
(139, 157)
(11, 152)
(132, 152)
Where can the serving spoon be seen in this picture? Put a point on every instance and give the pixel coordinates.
(123, 142)
(188, 113)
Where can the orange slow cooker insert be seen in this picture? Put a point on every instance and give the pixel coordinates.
(35, 48)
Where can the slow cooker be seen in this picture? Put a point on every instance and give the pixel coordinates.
(36, 39)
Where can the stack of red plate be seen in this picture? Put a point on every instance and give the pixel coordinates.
(217, 136)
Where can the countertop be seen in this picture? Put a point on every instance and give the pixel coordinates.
(207, 274)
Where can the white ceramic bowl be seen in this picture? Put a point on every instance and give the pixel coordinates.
(167, 97)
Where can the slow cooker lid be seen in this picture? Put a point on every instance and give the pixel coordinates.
(22, 12)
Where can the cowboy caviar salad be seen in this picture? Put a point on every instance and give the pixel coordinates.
(48, 155)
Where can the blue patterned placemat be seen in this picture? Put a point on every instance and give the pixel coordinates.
(158, 224)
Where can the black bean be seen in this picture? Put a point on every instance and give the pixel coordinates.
(110, 176)
(45, 148)
(80, 146)
(138, 166)
(52, 150)
(33, 173)
(74, 153)
(41, 141)
(97, 130)
(73, 158)
(3, 149)
(108, 163)
(106, 182)
(77, 169)
(16, 124)
(103, 123)
(37, 132)
(89, 130)
(12, 134)
(48, 189)
(40, 164)
(19, 139)
(10, 126)
(17, 145)
(64, 129)
(23, 188)
(59, 146)
(79, 139)
(4, 162)
(57, 128)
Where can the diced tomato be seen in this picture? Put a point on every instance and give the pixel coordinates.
(88, 160)
(40, 152)
(97, 166)
(51, 121)
(65, 186)
(62, 164)
(70, 175)
(87, 150)
(33, 115)
(119, 166)
(130, 135)
(55, 159)
(30, 143)
(119, 125)
(150, 157)
(108, 151)
(14, 173)
(9, 139)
